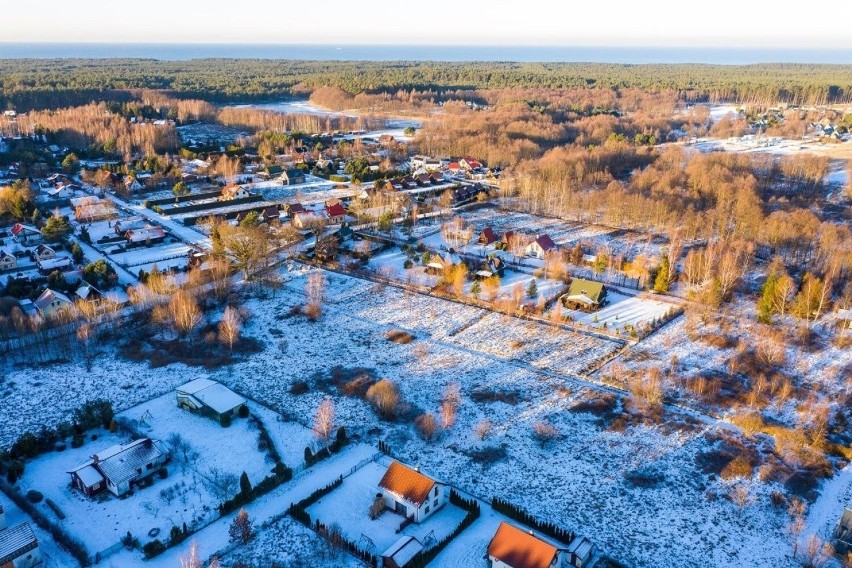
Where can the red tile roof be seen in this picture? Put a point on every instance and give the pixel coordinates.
(520, 549)
(412, 485)
(335, 210)
(545, 242)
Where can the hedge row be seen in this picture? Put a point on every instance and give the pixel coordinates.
(421, 559)
(299, 510)
(65, 540)
(339, 443)
(520, 515)
(341, 542)
(167, 200)
(209, 205)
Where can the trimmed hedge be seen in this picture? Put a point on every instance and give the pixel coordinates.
(518, 514)
(65, 540)
(299, 510)
(421, 559)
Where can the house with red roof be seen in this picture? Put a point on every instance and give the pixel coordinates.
(487, 236)
(412, 494)
(26, 234)
(511, 547)
(540, 246)
(336, 213)
(469, 164)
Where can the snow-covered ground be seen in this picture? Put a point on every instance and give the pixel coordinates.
(511, 374)
(623, 310)
(185, 496)
(52, 554)
(349, 507)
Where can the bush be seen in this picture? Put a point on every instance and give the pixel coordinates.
(299, 387)
(384, 396)
(34, 496)
(154, 548)
(225, 421)
(243, 412)
(163, 473)
(77, 440)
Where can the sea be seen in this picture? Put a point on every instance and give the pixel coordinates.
(545, 54)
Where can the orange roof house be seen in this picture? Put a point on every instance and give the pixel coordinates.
(520, 549)
(410, 493)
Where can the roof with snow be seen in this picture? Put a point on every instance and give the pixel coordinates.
(20, 229)
(212, 394)
(119, 463)
(89, 475)
(4, 254)
(520, 549)
(54, 263)
(15, 542)
(48, 297)
(403, 550)
(145, 234)
(408, 483)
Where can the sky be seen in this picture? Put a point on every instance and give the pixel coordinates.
(822, 24)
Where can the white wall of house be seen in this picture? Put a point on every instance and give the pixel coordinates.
(29, 559)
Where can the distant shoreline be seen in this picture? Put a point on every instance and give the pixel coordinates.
(443, 53)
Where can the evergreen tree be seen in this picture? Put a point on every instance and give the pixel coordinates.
(245, 485)
(241, 530)
(661, 283)
(77, 253)
(476, 289)
(532, 290)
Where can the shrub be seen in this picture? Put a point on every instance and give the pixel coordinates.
(243, 412)
(163, 473)
(225, 421)
(299, 387)
(154, 548)
(34, 496)
(425, 424)
(384, 396)
(77, 440)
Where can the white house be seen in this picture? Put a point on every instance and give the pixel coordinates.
(61, 191)
(50, 303)
(26, 234)
(304, 219)
(511, 547)
(411, 494)
(540, 246)
(132, 185)
(119, 468)
(209, 398)
(8, 261)
(233, 191)
(18, 546)
(43, 252)
(49, 265)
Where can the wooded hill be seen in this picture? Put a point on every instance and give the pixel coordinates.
(51, 83)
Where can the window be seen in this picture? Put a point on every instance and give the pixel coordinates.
(435, 503)
(427, 509)
(436, 491)
(149, 466)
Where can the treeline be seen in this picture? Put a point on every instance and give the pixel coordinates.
(52, 83)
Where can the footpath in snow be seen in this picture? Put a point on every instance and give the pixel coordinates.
(214, 537)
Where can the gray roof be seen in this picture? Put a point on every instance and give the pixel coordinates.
(16, 541)
(403, 550)
(119, 463)
(49, 296)
(215, 395)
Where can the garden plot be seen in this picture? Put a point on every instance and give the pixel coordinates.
(349, 507)
(541, 345)
(623, 310)
(153, 255)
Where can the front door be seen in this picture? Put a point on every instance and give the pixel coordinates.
(401, 509)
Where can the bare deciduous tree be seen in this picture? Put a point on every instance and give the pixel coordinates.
(229, 327)
(324, 419)
(426, 426)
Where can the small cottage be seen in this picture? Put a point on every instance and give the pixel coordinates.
(51, 302)
(293, 176)
(43, 252)
(336, 213)
(233, 191)
(411, 494)
(26, 234)
(586, 295)
(487, 236)
(146, 235)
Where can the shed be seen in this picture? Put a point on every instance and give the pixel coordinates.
(19, 547)
(209, 398)
(401, 552)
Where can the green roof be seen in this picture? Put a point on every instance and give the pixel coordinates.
(593, 290)
(274, 170)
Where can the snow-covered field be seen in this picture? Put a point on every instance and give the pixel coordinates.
(511, 374)
(623, 310)
(151, 255)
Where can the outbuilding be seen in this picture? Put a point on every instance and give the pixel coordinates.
(209, 398)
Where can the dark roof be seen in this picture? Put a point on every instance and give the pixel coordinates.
(274, 170)
(335, 210)
(545, 242)
(295, 173)
(595, 291)
(520, 549)
(15, 542)
(487, 237)
(119, 463)
(409, 484)
(294, 208)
